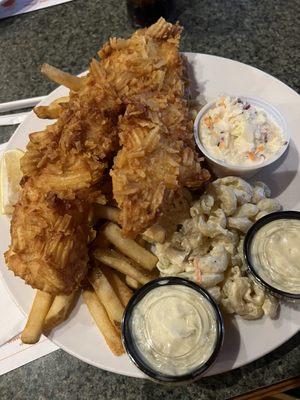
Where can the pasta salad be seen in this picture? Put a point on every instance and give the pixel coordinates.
(207, 247)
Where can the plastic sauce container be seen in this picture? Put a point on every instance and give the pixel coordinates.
(234, 138)
(272, 252)
(172, 330)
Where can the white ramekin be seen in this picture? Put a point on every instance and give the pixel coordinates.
(221, 168)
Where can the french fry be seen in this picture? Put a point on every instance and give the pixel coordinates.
(155, 234)
(116, 261)
(62, 78)
(106, 212)
(141, 241)
(101, 241)
(103, 322)
(35, 322)
(107, 296)
(129, 247)
(132, 282)
(60, 310)
(120, 287)
(53, 110)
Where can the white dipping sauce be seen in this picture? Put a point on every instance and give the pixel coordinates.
(275, 254)
(175, 329)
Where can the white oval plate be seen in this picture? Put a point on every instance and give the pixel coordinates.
(245, 341)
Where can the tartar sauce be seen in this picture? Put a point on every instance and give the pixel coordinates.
(275, 254)
(239, 133)
(175, 329)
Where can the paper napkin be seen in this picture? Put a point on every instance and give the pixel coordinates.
(10, 8)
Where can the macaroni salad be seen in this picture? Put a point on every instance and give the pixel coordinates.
(207, 247)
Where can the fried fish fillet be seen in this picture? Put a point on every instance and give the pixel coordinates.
(48, 241)
(157, 153)
(63, 168)
(132, 98)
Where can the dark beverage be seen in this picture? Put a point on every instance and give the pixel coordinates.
(146, 12)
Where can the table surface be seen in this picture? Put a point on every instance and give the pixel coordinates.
(265, 34)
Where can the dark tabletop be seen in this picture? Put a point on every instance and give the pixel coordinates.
(263, 33)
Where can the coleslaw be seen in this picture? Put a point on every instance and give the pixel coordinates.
(239, 133)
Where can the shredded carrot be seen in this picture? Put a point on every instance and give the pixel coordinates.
(222, 144)
(208, 121)
(222, 101)
(198, 274)
(251, 155)
(260, 149)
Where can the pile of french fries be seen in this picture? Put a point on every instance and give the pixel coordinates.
(118, 265)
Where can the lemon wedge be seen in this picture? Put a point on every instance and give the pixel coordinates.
(10, 176)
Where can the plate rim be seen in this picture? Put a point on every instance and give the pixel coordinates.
(139, 374)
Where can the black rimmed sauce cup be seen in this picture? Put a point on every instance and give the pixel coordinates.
(135, 353)
(273, 289)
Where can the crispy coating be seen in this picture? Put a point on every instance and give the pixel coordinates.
(157, 154)
(49, 241)
(129, 116)
(63, 168)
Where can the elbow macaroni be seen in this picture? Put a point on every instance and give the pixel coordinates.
(208, 247)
